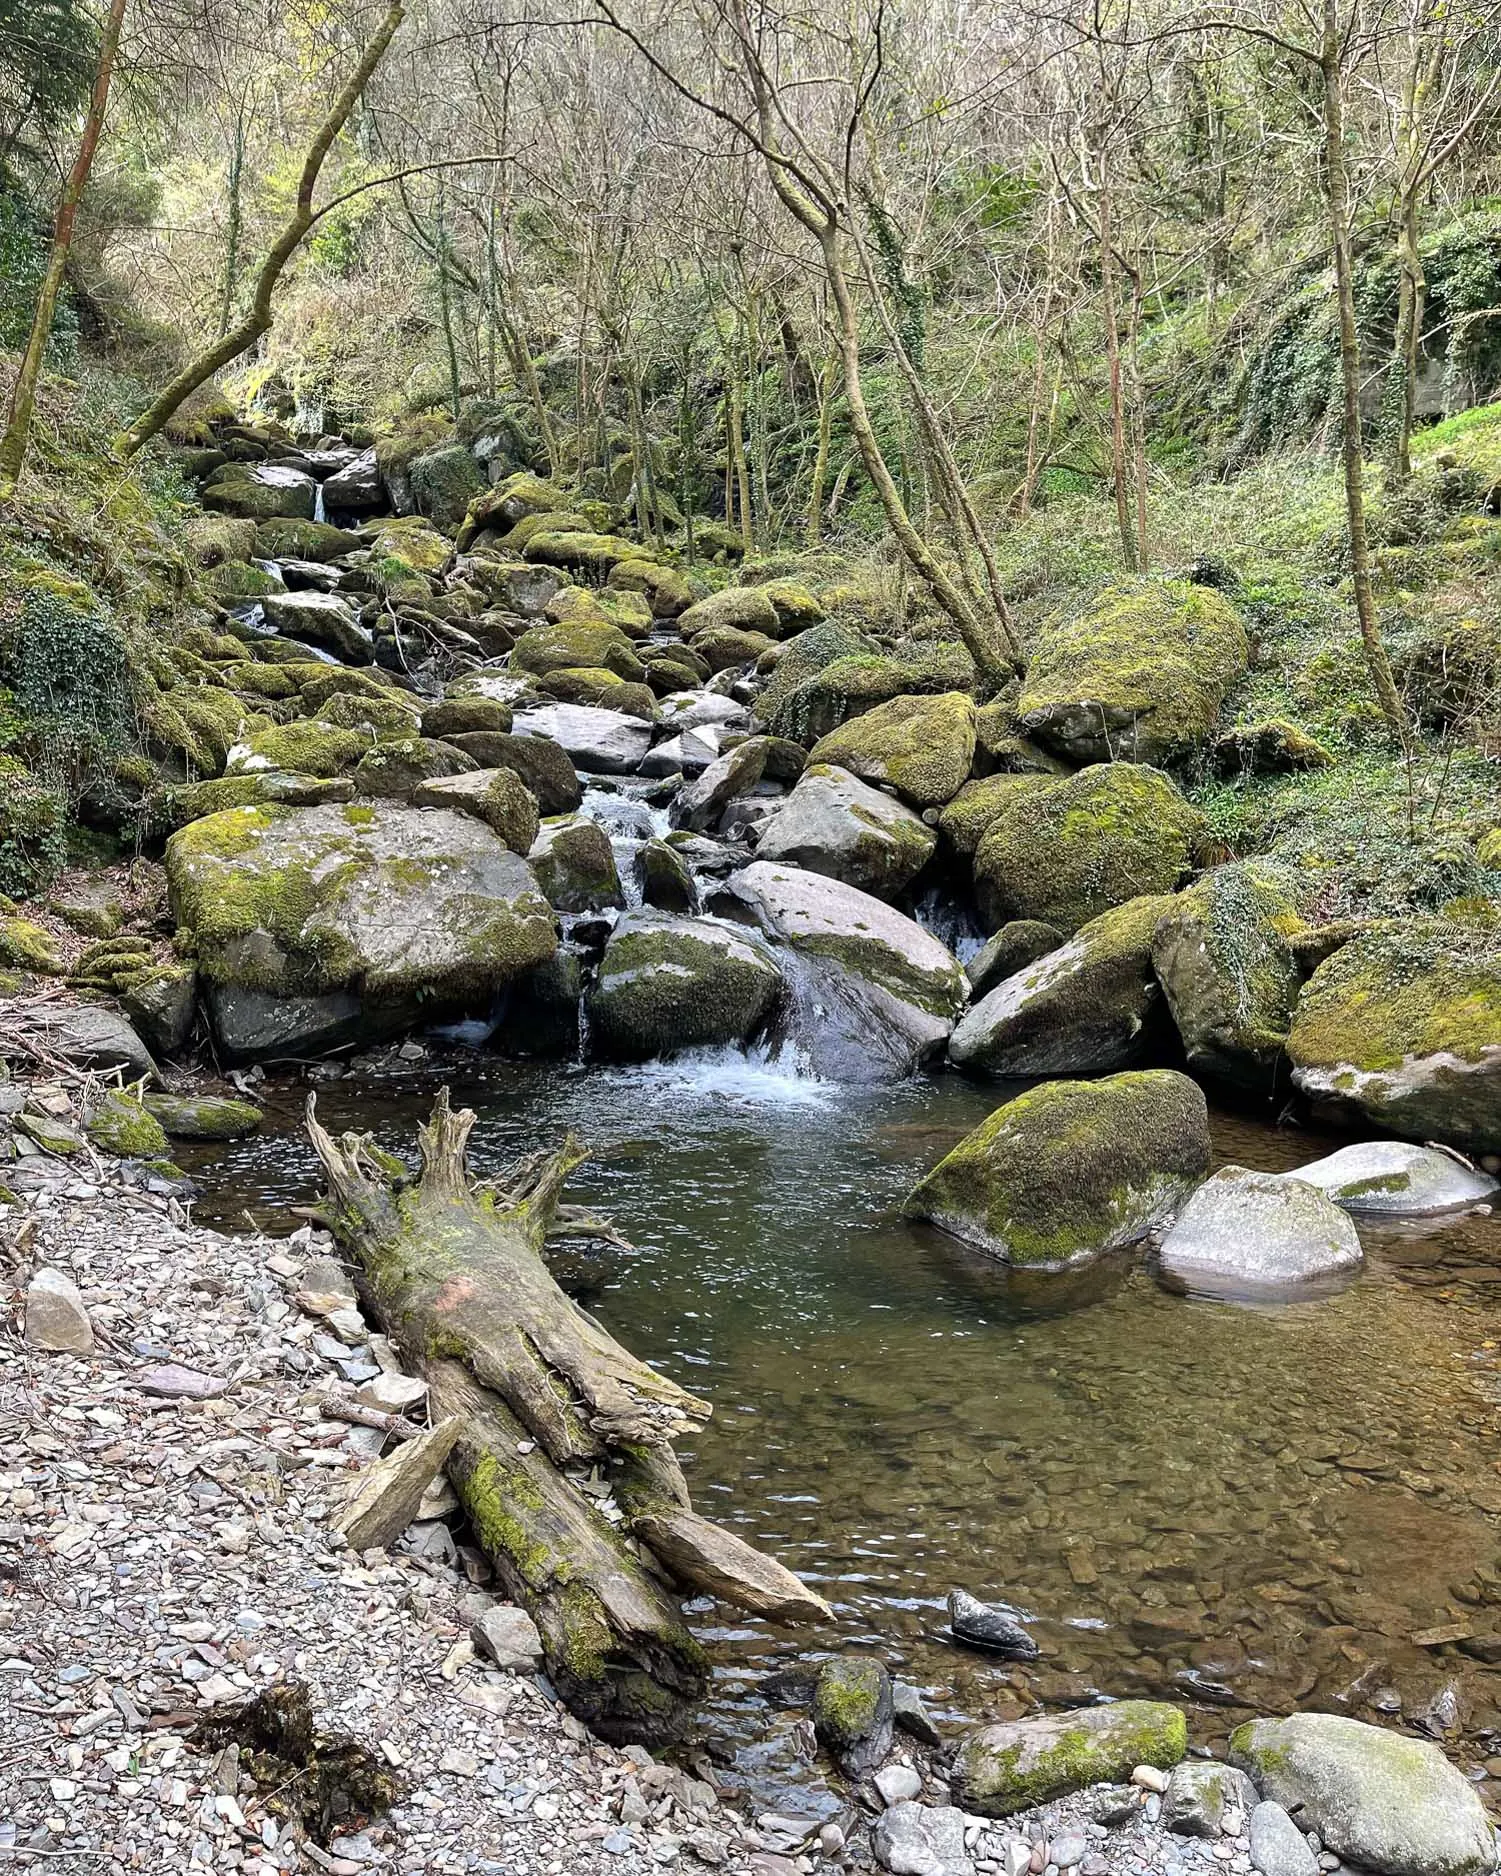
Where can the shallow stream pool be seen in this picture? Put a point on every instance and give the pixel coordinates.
(1235, 1507)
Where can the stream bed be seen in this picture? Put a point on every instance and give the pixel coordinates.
(1240, 1508)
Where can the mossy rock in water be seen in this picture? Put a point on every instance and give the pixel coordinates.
(498, 797)
(832, 823)
(1072, 1169)
(1404, 1025)
(26, 946)
(666, 984)
(1010, 950)
(203, 1117)
(303, 747)
(1083, 1007)
(853, 1712)
(1271, 747)
(120, 1124)
(1010, 1767)
(779, 707)
(546, 769)
(393, 770)
(1224, 958)
(1066, 850)
(923, 746)
(575, 864)
(599, 690)
(1139, 672)
(723, 647)
(291, 539)
(260, 491)
(1377, 1798)
(604, 647)
(667, 590)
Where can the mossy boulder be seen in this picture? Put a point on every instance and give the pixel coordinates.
(443, 482)
(922, 746)
(666, 984)
(498, 797)
(967, 818)
(832, 823)
(545, 768)
(392, 771)
(288, 538)
(780, 706)
(302, 747)
(321, 619)
(665, 878)
(666, 590)
(413, 543)
(210, 540)
(575, 865)
(458, 716)
(589, 553)
(796, 606)
(1270, 747)
(91, 905)
(27, 946)
(362, 905)
(238, 579)
(1086, 1007)
(1377, 1798)
(853, 1713)
(259, 491)
(161, 1005)
(576, 647)
(191, 801)
(1224, 958)
(388, 716)
(1404, 1025)
(203, 1116)
(845, 688)
(1488, 849)
(738, 608)
(1008, 951)
(723, 647)
(1138, 672)
(1066, 850)
(1002, 746)
(600, 690)
(121, 1125)
(1010, 1767)
(1072, 1169)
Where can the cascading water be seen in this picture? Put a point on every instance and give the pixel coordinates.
(320, 513)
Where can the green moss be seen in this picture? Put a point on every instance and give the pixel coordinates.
(1428, 988)
(1000, 1770)
(307, 747)
(848, 1701)
(25, 946)
(380, 716)
(121, 1125)
(967, 817)
(286, 538)
(923, 746)
(574, 647)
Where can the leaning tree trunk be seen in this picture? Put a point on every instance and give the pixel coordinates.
(455, 1274)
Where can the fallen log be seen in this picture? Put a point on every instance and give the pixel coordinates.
(454, 1272)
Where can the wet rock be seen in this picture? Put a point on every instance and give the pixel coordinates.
(1392, 1178)
(356, 488)
(1201, 1795)
(703, 799)
(260, 491)
(1085, 1008)
(1139, 671)
(546, 770)
(204, 1116)
(1278, 1847)
(688, 753)
(665, 878)
(575, 864)
(911, 1715)
(1390, 1803)
(1222, 956)
(161, 1007)
(1016, 1764)
(382, 1499)
(852, 1712)
(498, 797)
(1072, 1169)
(1244, 1233)
(923, 1840)
(319, 619)
(1012, 949)
(601, 742)
(508, 1636)
(378, 902)
(990, 1625)
(922, 746)
(872, 995)
(253, 1024)
(1066, 850)
(834, 824)
(667, 984)
(56, 1319)
(1404, 1025)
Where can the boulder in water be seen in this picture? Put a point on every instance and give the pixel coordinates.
(1017, 1764)
(575, 864)
(601, 742)
(1384, 1801)
(1249, 1233)
(356, 488)
(852, 1712)
(834, 824)
(666, 984)
(260, 491)
(1085, 1008)
(990, 1625)
(1395, 1179)
(705, 798)
(1404, 1025)
(1008, 951)
(319, 619)
(1066, 850)
(1072, 1169)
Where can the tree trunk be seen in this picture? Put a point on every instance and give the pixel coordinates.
(1117, 385)
(235, 225)
(456, 1277)
(740, 466)
(814, 530)
(258, 321)
(1336, 188)
(23, 392)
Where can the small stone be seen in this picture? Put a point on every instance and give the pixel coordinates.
(56, 1319)
(460, 1763)
(1016, 1857)
(384, 1497)
(897, 1783)
(1149, 1778)
(392, 1393)
(1278, 1847)
(1068, 1848)
(830, 1840)
(617, 1843)
(911, 1715)
(509, 1637)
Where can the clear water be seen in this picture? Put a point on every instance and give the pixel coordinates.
(1240, 1508)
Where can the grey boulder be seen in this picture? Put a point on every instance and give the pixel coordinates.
(835, 824)
(1202, 1795)
(319, 619)
(923, 1840)
(601, 742)
(1247, 1233)
(1395, 1179)
(1278, 1847)
(666, 984)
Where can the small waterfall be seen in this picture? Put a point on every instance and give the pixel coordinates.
(320, 513)
(950, 921)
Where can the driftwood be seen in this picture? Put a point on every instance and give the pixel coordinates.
(455, 1273)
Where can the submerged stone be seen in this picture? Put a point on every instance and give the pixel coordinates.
(1072, 1169)
(1394, 1178)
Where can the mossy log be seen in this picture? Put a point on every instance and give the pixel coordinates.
(454, 1272)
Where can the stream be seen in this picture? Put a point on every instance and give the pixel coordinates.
(1234, 1507)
